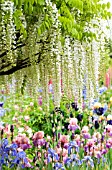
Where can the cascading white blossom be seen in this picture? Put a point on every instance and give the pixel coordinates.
(8, 27)
(76, 63)
(55, 51)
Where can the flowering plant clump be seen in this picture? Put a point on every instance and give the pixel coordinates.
(12, 156)
(76, 139)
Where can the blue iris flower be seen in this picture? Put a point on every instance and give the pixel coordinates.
(88, 159)
(58, 165)
(10, 156)
(105, 107)
(52, 154)
(4, 143)
(68, 161)
(79, 162)
(101, 110)
(2, 112)
(73, 144)
(102, 90)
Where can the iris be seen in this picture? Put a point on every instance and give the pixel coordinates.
(71, 115)
(109, 122)
(52, 154)
(102, 90)
(96, 125)
(1, 104)
(99, 111)
(79, 117)
(58, 165)
(73, 144)
(88, 159)
(68, 161)
(2, 112)
(66, 125)
(74, 106)
(9, 155)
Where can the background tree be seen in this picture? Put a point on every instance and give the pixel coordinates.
(56, 35)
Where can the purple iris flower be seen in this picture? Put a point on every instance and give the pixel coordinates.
(101, 110)
(109, 122)
(25, 146)
(73, 127)
(79, 117)
(74, 106)
(86, 136)
(76, 160)
(68, 161)
(1, 104)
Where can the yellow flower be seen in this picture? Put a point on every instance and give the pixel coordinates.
(91, 114)
(101, 118)
(97, 105)
(109, 117)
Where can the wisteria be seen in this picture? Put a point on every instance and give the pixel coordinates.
(55, 85)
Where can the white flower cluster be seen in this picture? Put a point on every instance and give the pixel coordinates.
(8, 28)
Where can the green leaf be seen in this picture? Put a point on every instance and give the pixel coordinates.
(41, 2)
(74, 32)
(16, 2)
(47, 25)
(103, 6)
(35, 1)
(108, 5)
(39, 31)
